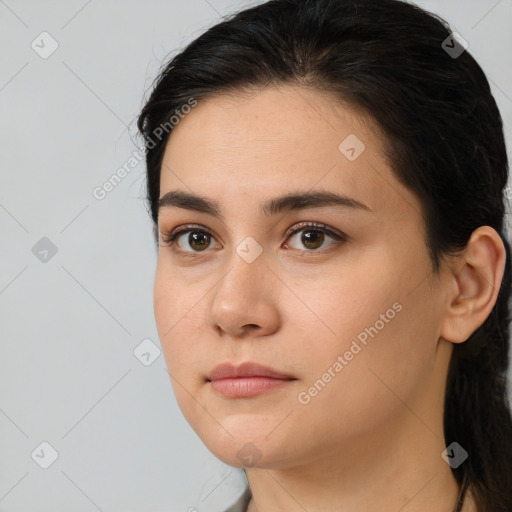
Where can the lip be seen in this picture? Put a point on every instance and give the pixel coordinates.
(247, 379)
(247, 369)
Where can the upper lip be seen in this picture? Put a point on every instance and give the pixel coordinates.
(247, 369)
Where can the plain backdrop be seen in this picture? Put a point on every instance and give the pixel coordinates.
(76, 272)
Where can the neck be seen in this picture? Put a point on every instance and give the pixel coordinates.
(400, 469)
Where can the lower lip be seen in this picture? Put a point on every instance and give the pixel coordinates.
(246, 386)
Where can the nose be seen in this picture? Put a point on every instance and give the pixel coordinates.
(244, 303)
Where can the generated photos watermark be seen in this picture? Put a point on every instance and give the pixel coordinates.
(100, 192)
(304, 397)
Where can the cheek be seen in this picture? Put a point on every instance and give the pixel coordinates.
(177, 346)
(171, 315)
(172, 301)
(179, 314)
(164, 305)
(353, 385)
(369, 337)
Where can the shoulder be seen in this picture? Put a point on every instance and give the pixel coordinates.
(241, 504)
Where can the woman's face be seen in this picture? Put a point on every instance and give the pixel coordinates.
(352, 314)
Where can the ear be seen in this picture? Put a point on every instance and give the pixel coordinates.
(475, 279)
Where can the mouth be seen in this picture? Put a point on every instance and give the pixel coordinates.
(247, 379)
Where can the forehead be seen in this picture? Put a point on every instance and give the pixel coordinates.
(279, 140)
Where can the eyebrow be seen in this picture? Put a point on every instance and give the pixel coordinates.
(288, 202)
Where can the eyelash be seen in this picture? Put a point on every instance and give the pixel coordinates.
(169, 238)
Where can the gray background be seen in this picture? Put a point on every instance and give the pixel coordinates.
(69, 325)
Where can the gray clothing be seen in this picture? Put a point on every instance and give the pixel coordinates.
(241, 503)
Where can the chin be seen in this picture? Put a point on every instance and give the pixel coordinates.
(245, 450)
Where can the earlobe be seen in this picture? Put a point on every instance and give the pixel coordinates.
(474, 282)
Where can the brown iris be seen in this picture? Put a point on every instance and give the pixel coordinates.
(311, 237)
(202, 240)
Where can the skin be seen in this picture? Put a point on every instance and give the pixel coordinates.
(372, 438)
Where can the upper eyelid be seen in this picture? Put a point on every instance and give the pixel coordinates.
(295, 227)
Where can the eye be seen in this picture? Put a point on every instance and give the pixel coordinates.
(198, 238)
(313, 237)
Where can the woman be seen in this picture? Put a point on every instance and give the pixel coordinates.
(326, 180)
